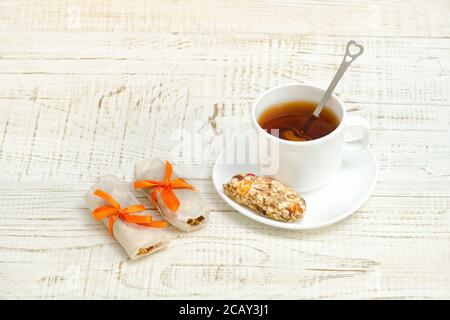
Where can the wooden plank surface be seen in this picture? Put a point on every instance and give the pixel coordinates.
(90, 87)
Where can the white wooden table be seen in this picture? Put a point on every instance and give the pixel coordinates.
(90, 87)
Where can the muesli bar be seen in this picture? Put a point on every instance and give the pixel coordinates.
(266, 196)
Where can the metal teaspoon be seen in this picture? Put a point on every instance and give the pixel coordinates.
(346, 61)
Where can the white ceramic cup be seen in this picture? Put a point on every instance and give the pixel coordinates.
(307, 165)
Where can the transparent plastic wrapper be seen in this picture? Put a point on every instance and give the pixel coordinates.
(178, 202)
(139, 238)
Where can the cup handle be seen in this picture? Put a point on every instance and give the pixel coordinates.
(363, 126)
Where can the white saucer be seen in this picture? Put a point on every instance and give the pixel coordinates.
(349, 188)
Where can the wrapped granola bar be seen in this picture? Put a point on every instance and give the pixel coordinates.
(266, 196)
(127, 220)
(178, 201)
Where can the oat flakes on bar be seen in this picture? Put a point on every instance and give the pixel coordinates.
(266, 196)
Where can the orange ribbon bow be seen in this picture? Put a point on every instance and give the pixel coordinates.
(166, 188)
(114, 212)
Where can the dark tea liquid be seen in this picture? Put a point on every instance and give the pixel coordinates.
(295, 114)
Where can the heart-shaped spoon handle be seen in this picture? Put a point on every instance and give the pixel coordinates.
(346, 61)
